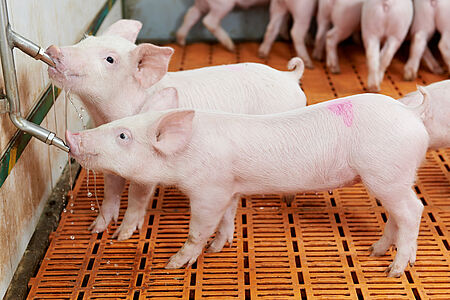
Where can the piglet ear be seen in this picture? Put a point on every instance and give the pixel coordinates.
(152, 63)
(162, 100)
(127, 29)
(173, 132)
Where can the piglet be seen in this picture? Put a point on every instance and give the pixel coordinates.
(437, 114)
(215, 11)
(383, 20)
(429, 15)
(345, 15)
(114, 78)
(214, 157)
(302, 12)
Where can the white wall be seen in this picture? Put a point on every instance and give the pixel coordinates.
(23, 195)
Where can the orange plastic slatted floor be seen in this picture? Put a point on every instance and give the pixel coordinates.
(317, 248)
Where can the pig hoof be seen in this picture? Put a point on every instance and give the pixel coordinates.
(409, 74)
(100, 223)
(317, 55)
(378, 250)
(124, 232)
(373, 88)
(309, 64)
(230, 46)
(288, 199)
(181, 40)
(218, 243)
(177, 261)
(437, 70)
(394, 271)
(335, 69)
(262, 52)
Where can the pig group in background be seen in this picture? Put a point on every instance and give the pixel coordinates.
(302, 11)
(114, 78)
(345, 15)
(437, 115)
(388, 21)
(429, 15)
(215, 11)
(214, 157)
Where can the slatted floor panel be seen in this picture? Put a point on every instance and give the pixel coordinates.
(315, 248)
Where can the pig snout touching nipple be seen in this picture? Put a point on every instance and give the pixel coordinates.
(73, 141)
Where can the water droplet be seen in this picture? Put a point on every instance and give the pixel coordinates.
(117, 273)
(317, 193)
(71, 211)
(92, 204)
(64, 210)
(89, 194)
(92, 208)
(71, 223)
(111, 242)
(330, 192)
(82, 108)
(72, 237)
(108, 262)
(71, 204)
(116, 265)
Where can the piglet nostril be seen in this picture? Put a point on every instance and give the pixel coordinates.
(54, 52)
(72, 140)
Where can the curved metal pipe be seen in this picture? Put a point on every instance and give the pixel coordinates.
(9, 39)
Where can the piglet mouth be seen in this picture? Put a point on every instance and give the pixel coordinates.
(77, 150)
(59, 73)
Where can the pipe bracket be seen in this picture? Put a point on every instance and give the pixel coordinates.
(4, 105)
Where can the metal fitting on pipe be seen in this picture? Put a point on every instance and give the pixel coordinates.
(29, 48)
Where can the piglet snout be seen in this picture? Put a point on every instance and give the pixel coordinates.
(54, 52)
(73, 141)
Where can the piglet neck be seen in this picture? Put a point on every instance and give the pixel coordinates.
(106, 109)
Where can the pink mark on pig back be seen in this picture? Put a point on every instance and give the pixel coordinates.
(344, 109)
(236, 67)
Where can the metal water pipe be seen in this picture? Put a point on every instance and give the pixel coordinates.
(8, 40)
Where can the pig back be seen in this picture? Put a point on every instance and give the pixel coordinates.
(246, 88)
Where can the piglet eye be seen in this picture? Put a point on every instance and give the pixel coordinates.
(110, 59)
(123, 136)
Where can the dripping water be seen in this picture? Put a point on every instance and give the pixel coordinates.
(66, 108)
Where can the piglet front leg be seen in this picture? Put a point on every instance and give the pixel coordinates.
(225, 231)
(111, 203)
(138, 197)
(208, 207)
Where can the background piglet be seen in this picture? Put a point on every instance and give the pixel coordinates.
(114, 78)
(429, 15)
(345, 16)
(302, 12)
(215, 11)
(388, 21)
(215, 157)
(437, 114)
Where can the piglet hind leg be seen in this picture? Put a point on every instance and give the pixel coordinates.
(402, 228)
(212, 23)
(298, 33)
(388, 51)
(372, 46)
(431, 62)
(138, 197)
(111, 203)
(192, 16)
(444, 47)
(278, 12)
(207, 210)
(418, 45)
